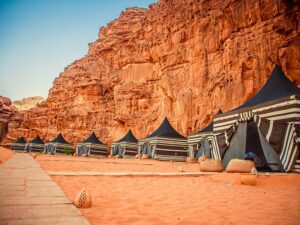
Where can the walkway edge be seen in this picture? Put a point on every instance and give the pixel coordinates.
(144, 174)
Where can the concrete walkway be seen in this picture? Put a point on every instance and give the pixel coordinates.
(28, 195)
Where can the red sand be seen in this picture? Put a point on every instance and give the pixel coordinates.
(216, 199)
(210, 199)
(5, 154)
(75, 163)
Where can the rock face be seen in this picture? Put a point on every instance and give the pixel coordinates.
(7, 112)
(183, 59)
(28, 103)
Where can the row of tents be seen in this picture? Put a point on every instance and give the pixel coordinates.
(265, 129)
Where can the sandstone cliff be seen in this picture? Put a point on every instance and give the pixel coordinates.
(7, 111)
(28, 103)
(181, 58)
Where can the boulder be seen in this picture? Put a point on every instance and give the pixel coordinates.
(240, 166)
(202, 158)
(191, 160)
(211, 165)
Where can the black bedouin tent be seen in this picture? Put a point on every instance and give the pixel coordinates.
(204, 142)
(19, 145)
(165, 143)
(92, 146)
(273, 115)
(248, 142)
(126, 146)
(36, 145)
(58, 146)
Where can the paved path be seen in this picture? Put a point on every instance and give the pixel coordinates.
(28, 195)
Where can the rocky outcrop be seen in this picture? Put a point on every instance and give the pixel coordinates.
(28, 103)
(7, 111)
(183, 59)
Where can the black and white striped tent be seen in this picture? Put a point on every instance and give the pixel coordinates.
(126, 146)
(165, 143)
(58, 146)
(19, 145)
(92, 146)
(270, 121)
(36, 145)
(204, 142)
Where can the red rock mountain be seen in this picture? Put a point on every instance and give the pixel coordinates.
(28, 103)
(183, 59)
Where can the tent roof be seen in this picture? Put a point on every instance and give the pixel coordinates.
(20, 140)
(37, 140)
(129, 137)
(209, 127)
(277, 86)
(92, 139)
(59, 139)
(166, 130)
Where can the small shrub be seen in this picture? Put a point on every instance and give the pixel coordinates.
(67, 151)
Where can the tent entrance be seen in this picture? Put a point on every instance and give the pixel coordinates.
(254, 150)
(204, 148)
(248, 143)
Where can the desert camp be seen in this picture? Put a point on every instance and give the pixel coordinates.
(150, 112)
(58, 146)
(165, 143)
(19, 144)
(35, 145)
(126, 146)
(91, 146)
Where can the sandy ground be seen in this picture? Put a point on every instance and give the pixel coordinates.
(5, 154)
(210, 199)
(75, 163)
(216, 199)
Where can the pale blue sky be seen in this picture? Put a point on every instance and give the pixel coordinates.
(38, 38)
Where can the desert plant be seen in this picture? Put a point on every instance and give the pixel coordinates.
(67, 151)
